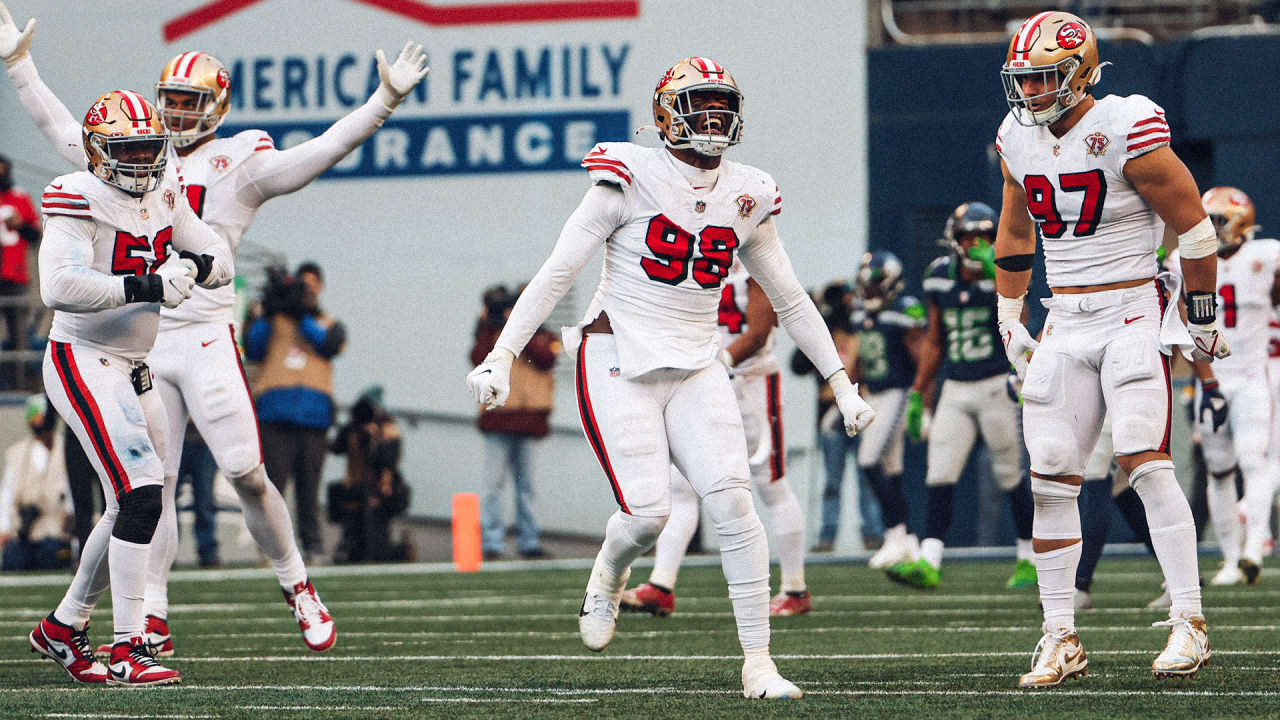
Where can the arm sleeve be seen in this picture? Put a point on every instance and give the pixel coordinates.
(257, 339)
(279, 172)
(193, 235)
(68, 281)
(769, 265)
(600, 213)
(52, 118)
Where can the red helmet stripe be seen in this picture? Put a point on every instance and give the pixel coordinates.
(189, 62)
(175, 65)
(1026, 33)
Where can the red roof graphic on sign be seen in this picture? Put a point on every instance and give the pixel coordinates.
(432, 14)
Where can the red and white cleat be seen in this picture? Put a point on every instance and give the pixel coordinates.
(69, 648)
(155, 633)
(132, 663)
(649, 598)
(787, 603)
(318, 629)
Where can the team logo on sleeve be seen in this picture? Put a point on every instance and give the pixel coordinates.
(746, 204)
(169, 199)
(1096, 144)
(1071, 35)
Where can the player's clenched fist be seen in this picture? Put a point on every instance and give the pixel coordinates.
(490, 381)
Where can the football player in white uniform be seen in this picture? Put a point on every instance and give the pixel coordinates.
(1248, 291)
(118, 242)
(746, 324)
(1097, 177)
(195, 360)
(650, 391)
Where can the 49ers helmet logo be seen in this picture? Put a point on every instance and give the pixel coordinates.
(97, 114)
(1071, 35)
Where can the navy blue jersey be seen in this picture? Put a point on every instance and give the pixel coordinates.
(971, 347)
(882, 344)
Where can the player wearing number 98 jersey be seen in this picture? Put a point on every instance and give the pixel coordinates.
(650, 391)
(1098, 178)
(195, 359)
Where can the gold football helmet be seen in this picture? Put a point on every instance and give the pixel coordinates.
(125, 142)
(1232, 214)
(1061, 51)
(710, 131)
(203, 79)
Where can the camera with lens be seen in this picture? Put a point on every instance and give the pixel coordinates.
(284, 294)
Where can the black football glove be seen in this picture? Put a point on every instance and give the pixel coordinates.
(1212, 402)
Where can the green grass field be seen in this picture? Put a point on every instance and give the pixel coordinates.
(420, 644)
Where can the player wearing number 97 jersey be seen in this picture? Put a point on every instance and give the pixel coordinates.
(1098, 178)
(650, 391)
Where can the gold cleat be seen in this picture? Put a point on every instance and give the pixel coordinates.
(1058, 657)
(1187, 650)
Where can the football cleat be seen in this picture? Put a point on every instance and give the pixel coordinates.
(1024, 575)
(318, 629)
(897, 548)
(1162, 602)
(1229, 575)
(1083, 600)
(69, 648)
(917, 574)
(155, 633)
(787, 603)
(598, 616)
(1250, 571)
(648, 598)
(133, 663)
(761, 681)
(1187, 649)
(1058, 657)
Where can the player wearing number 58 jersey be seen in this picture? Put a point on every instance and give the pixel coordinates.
(195, 360)
(118, 242)
(1248, 291)
(650, 392)
(1098, 178)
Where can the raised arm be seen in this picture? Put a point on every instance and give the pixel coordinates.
(280, 172)
(769, 265)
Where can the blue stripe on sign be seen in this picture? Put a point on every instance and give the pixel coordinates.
(466, 144)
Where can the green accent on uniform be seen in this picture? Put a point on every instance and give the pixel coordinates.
(1024, 575)
(1161, 255)
(918, 574)
(915, 415)
(915, 312)
(985, 253)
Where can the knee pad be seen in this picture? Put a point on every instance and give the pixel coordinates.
(253, 482)
(138, 515)
(728, 505)
(1144, 471)
(1057, 516)
(640, 530)
(1053, 455)
(774, 493)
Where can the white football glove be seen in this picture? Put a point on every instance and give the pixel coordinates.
(14, 42)
(177, 277)
(1209, 343)
(490, 381)
(1018, 345)
(857, 413)
(399, 78)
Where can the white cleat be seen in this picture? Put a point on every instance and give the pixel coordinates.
(1228, 575)
(896, 549)
(1161, 603)
(761, 681)
(598, 616)
(1083, 600)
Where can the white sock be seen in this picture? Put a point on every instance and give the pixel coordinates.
(92, 576)
(1173, 533)
(1221, 494)
(786, 520)
(1259, 484)
(267, 518)
(931, 551)
(1056, 575)
(164, 550)
(744, 557)
(627, 537)
(128, 563)
(673, 543)
(1022, 549)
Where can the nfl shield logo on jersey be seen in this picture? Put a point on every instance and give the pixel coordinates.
(1096, 144)
(746, 204)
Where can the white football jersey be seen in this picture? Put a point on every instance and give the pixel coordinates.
(131, 236)
(1094, 226)
(1244, 303)
(732, 323)
(665, 265)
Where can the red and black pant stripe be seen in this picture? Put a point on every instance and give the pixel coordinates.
(592, 428)
(1165, 444)
(90, 416)
(773, 401)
